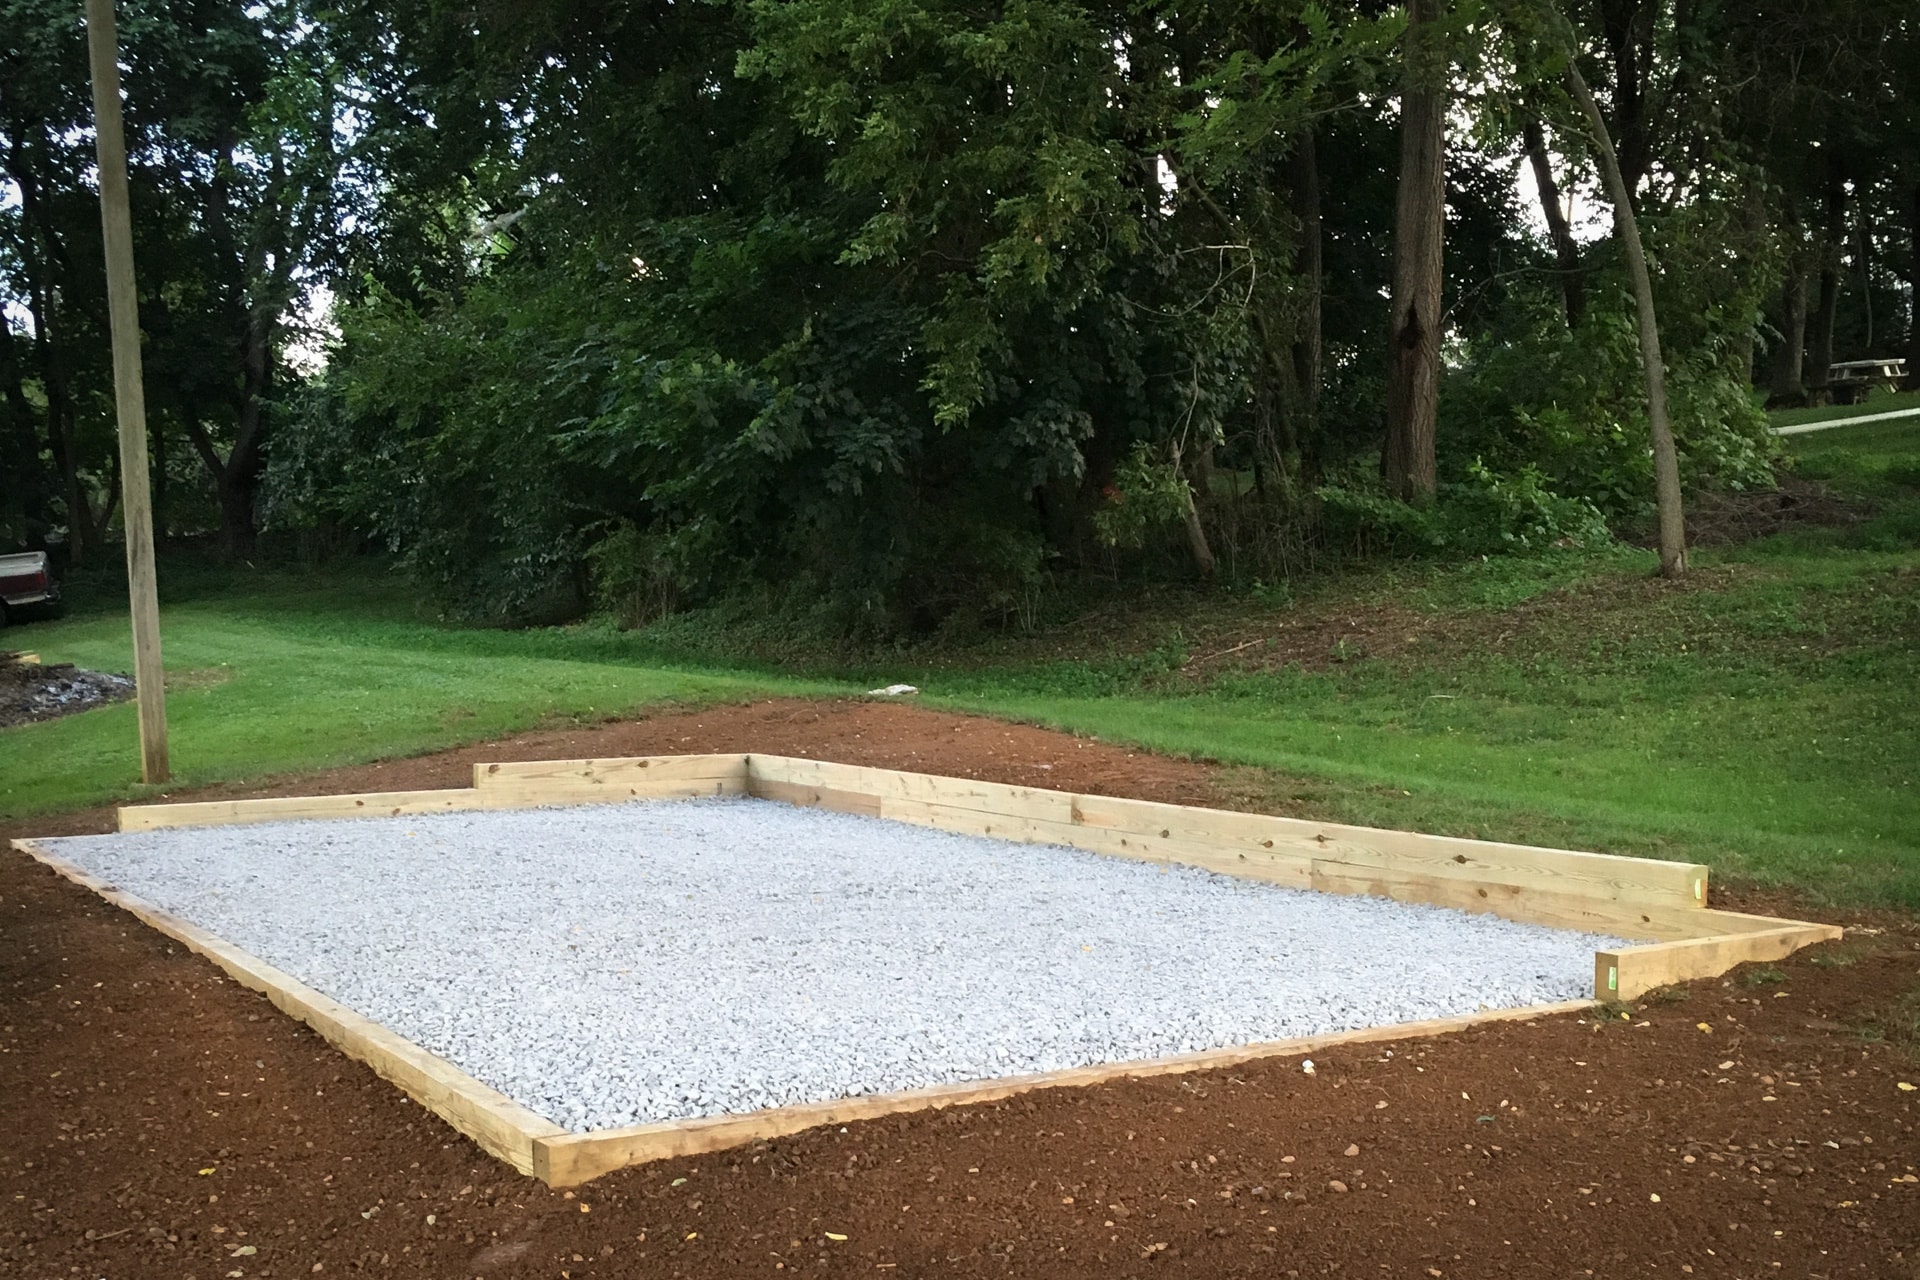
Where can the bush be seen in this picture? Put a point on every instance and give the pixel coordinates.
(1484, 513)
(1571, 406)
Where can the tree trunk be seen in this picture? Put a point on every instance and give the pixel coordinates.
(1197, 540)
(1628, 26)
(1913, 297)
(1820, 334)
(1666, 459)
(1863, 259)
(236, 514)
(157, 439)
(1197, 543)
(1309, 266)
(1819, 357)
(1753, 229)
(1833, 236)
(59, 417)
(1413, 370)
(1566, 254)
(1786, 386)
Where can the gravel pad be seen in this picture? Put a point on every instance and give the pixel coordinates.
(613, 965)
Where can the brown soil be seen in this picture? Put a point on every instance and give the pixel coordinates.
(160, 1121)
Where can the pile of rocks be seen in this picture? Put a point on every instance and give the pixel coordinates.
(31, 690)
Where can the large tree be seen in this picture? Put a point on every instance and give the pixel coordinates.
(1413, 368)
(233, 120)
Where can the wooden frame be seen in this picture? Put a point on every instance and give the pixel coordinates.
(1660, 905)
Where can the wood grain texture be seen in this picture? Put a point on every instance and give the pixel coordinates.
(559, 791)
(1188, 829)
(570, 1159)
(129, 390)
(1561, 871)
(614, 773)
(498, 1124)
(1631, 972)
(893, 784)
(812, 797)
(379, 804)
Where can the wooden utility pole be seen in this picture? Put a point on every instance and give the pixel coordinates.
(130, 401)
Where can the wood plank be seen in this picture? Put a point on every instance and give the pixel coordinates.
(498, 1124)
(570, 1159)
(1247, 863)
(1513, 902)
(394, 804)
(894, 784)
(812, 797)
(1631, 972)
(1193, 834)
(380, 804)
(558, 791)
(1482, 862)
(613, 772)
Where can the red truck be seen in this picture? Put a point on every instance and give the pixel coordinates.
(26, 583)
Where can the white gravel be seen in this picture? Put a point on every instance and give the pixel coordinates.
(611, 965)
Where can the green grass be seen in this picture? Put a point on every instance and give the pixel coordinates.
(270, 673)
(1878, 402)
(1762, 718)
(1879, 460)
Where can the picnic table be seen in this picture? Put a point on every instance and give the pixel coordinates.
(1849, 381)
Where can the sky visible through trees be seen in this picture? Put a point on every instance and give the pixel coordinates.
(903, 312)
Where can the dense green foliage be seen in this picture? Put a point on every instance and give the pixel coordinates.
(905, 313)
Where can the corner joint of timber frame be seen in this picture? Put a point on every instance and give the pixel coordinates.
(1628, 973)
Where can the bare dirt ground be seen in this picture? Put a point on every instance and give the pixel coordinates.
(160, 1121)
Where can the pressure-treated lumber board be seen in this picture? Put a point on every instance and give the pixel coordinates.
(380, 804)
(559, 791)
(505, 791)
(1629, 897)
(1559, 871)
(615, 774)
(500, 1125)
(569, 1159)
(1513, 902)
(893, 784)
(1635, 881)
(1250, 864)
(1631, 972)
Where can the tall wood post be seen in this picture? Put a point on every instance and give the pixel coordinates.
(130, 402)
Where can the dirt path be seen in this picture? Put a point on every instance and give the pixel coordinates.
(160, 1121)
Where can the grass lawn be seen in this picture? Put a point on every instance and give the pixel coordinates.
(268, 672)
(1748, 725)
(1763, 718)
(1879, 402)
